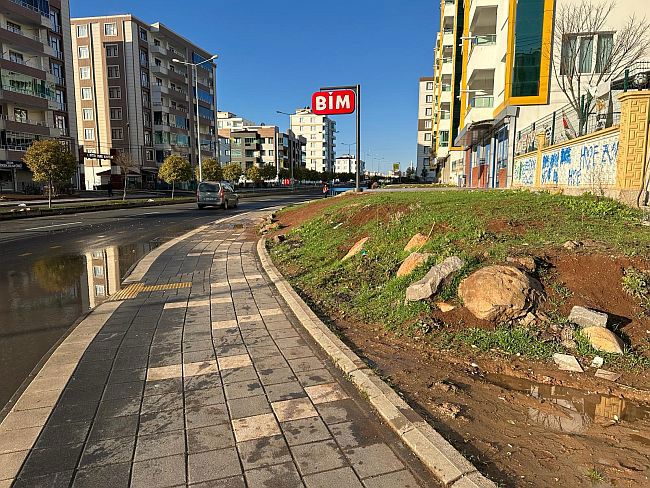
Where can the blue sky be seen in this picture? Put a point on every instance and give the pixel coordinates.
(274, 54)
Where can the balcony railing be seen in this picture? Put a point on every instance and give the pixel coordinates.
(23, 3)
(21, 32)
(25, 91)
(20, 120)
(445, 88)
(484, 39)
(482, 101)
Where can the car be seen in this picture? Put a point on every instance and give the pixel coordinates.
(216, 194)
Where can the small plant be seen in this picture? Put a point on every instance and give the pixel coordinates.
(637, 284)
(595, 475)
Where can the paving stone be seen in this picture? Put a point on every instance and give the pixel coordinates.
(50, 480)
(119, 407)
(200, 368)
(165, 372)
(203, 381)
(318, 457)
(161, 444)
(249, 406)
(239, 374)
(155, 403)
(108, 451)
(210, 438)
(206, 396)
(29, 418)
(127, 376)
(161, 387)
(290, 342)
(163, 421)
(37, 399)
(278, 476)
(230, 350)
(300, 408)
(50, 460)
(264, 452)
(315, 377)
(213, 465)
(243, 389)
(349, 435)
(200, 356)
(257, 352)
(342, 477)
(205, 416)
(124, 390)
(310, 363)
(273, 362)
(274, 376)
(232, 362)
(325, 393)
(18, 440)
(373, 460)
(401, 479)
(297, 352)
(110, 476)
(339, 411)
(283, 333)
(10, 464)
(304, 431)
(159, 472)
(110, 427)
(257, 427)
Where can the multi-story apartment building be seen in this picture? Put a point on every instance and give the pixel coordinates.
(37, 100)
(224, 150)
(229, 120)
(133, 97)
(424, 170)
(348, 164)
(319, 132)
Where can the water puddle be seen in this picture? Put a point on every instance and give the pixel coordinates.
(577, 409)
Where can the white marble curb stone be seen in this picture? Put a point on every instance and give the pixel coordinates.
(447, 464)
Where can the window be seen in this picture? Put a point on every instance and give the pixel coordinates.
(56, 69)
(86, 94)
(143, 34)
(429, 98)
(84, 52)
(15, 28)
(84, 73)
(428, 112)
(113, 71)
(20, 115)
(100, 291)
(429, 85)
(117, 134)
(249, 140)
(89, 134)
(98, 271)
(114, 92)
(569, 44)
(144, 78)
(82, 30)
(428, 124)
(604, 52)
(147, 138)
(586, 54)
(16, 57)
(427, 136)
(116, 113)
(144, 58)
(110, 29)
(526, 71)
(149, 155)
(111, 50)
(444, 138)
(87, 113)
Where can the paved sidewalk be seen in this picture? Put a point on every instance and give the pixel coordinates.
(200, 377)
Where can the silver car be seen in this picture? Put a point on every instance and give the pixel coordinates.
(216, 194)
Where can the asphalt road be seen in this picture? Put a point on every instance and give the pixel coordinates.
(54, 269)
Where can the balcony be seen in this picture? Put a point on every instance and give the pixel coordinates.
(57, 80)
(159, 70)
(11, 123)
(26, 42)
(157, 90)
(480, 108)
(483, 53)
(21, 11)
(158, 50)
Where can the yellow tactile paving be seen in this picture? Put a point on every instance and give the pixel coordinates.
(133, 290)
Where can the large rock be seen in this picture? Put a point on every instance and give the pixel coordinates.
(356, 249)
(603, 339)
(416, 242)
(526, 262)
(500, 293)
(428, 286)
(587, 318)
(415, 260)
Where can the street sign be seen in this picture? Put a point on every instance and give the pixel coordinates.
(92, 155)
(335, 102)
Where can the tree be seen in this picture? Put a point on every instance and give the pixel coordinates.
(410, 172)
(424, 173)
(175, 168)
(575, 72)
(254, 174)
(268, 171)
(232, 172)
(212, 170)
(125, 163)
(58, 273)
(50, 162)
(285, 174)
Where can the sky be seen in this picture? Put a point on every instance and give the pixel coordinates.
(274, 54)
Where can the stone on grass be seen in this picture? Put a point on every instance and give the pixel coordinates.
(280, 238)
(603, 339)
(445, 307)
(356, 249)
(567, 362)
(607, 375)
(439, 274)
(500, 293)
(572, 245)
(585, 317)
(416, 242)
(526, 262)
(410, 264)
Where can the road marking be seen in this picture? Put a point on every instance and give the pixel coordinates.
(54, 225)
(25, 254)
(56, 247)
(150, 213)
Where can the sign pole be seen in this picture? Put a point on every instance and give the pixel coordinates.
(358, 189)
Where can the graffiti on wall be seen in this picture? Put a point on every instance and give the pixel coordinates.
(524, 170)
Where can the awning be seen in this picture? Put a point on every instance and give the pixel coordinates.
(477, 131)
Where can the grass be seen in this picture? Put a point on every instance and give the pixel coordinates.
(460, 223)
(595, 476)
(637, 284)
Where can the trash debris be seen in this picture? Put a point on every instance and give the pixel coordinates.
(567, 363)
(607, 375)
(151, 200)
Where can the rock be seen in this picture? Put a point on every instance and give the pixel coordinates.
(526, 262)
(279, 239)
(597, 362)
(585, 317)
(607, 375)
(356, 249)
(416, 242)
(437, 275)
(567, 363)
(603, 340)
(270, 228)
(410, 264)
(500, 293)
(572, 245)
(528, 320)
(445, 307)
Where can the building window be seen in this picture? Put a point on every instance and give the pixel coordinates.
(429, 98)
(147, 138)
(444, 138)
(86, 94)
(110, 29)
(116, 113)
(16, 57)
(585, 62)
(117, 134)
(114, 93)
(428, 112)
(144, 58)
(113, 71)
(20, 115)
(84, 73)
(98, 271)
(87, 113)
(82, 30)
(15, 28)
(429, 85)
(427, 136)
(604, 51)
(529, 26)
(143, 34)
(89, 134)
(111, 50)
(149, 155)
(428, 124)
(100, 291)
(84, 52)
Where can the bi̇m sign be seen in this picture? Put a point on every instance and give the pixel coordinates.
(338, 102)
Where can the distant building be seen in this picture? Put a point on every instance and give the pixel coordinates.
(229, 120)
(348, 164)
(319, 133)
(423, 169)
(224, 150)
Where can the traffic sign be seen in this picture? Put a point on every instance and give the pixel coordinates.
(335, 102)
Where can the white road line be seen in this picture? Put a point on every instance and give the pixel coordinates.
(150, 213)
(54, 225)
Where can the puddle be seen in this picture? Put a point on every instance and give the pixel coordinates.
(577, 409)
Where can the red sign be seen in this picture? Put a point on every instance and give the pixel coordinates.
(337, 102)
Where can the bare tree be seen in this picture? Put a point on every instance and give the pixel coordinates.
(126, 163)
(577, 28)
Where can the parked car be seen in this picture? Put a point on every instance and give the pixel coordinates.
(216, 194)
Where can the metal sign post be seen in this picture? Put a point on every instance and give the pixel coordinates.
(339, 107)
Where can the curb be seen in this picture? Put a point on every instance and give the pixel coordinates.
(447, 464)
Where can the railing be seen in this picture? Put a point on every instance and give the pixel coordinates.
(484, 39)
(39, 123)
(23, 91)
(445, 88)
(22, 33)
(482, 101)
(22, 3)
(56, 27)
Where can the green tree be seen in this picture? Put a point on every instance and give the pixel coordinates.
(58, 273)
(268, 171)
(254, 174)
(175, 168)
(125, 163)
(212, 170)
(232, 172)
(409, 173)
(285, 174)
(50, 162)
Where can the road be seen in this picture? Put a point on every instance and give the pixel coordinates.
(54, 269)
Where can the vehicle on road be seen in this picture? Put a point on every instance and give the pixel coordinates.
(216, 194)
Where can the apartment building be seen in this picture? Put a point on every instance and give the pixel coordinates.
(348, 164)
(37, 100)
(224, 150)
(229, 120)
(132, 97)
(424, 169)
(320, 133)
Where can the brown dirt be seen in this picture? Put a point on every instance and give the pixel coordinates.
(501, 226)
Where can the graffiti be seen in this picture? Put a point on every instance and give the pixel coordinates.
(525, 171)
(550, 166)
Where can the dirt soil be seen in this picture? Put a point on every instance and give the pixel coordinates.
(525, 423)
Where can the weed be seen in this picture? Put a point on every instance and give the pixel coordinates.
(637, 284)
(510, 340)
(595, 475)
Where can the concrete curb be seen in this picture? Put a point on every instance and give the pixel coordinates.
(447, 464)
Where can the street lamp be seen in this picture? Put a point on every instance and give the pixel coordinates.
(196, 94)
(291, 158)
